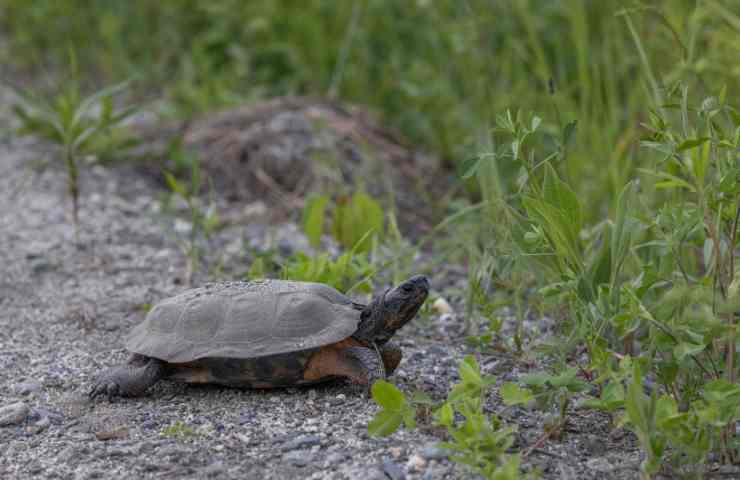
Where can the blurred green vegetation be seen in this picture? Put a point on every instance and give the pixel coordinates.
(437, 70)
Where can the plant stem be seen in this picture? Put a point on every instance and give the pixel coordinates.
(72, 186)
(730, 431)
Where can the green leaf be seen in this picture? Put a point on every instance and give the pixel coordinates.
(88, 103)
(660, 147)
(670, 181)
(536, 379)
(568, 131)
(421, 398)
(685, 349)
(559, 229)
(469, 167)
(691, 143)
(512, 394)
(665, 408)
(624, 229)
(388, 396)
(174, 185)
(445, 415)
(385, 423)
(470, 371)
(721, 391)
(565, 202)
(568, 380)
(560, 212)
(536, 121)
(509, 469)
(313, 218)
(638, 407)
(612, 398)
(700, 160)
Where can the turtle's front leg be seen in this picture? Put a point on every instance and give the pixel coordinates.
(129, 380)
(392, 355)
(370, 366)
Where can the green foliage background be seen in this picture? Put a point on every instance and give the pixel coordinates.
(437, 70)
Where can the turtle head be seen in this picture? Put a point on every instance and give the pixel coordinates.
(392, 310)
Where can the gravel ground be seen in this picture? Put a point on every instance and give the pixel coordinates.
(65, 309)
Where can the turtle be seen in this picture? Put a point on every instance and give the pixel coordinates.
(265, 334)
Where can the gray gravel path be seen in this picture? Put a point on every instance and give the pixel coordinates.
(63, 313)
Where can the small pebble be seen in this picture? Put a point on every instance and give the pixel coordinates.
(434, 472)
(113, 434)
(375, 474)
(40, 265)
(599, 464)
(416, 463)
(437, 350)
(433, 452)
(38, 427)
(254, 210)
(24, 388)
(304, 441)
(181, 226)
(338, 400)
(38, 413)
(298, 458)
(337, 457)
(13, 414)
(215, 469)
(146, 447)
(393, 470)
(119, 452)
(396, 452)
(149, 425)
(441, 306)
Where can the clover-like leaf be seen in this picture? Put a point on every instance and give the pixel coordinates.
(513, 394)
(388, 395)
(445, 415)
(470, 371)
(385, 423)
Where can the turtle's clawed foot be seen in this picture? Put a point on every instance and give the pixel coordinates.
(130, 380)
(105, 387)
(111, 383)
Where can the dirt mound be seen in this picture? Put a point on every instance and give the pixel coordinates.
(283, 149)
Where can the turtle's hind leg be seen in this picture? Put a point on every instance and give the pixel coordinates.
(129, 380)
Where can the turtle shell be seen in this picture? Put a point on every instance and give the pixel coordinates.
(244, 320)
